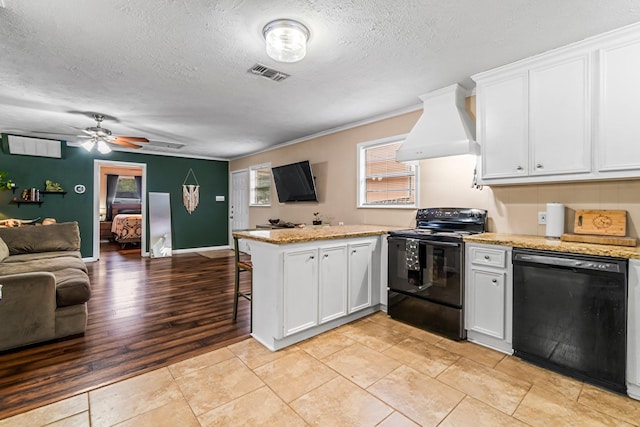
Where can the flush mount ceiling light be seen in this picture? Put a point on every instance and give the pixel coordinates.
(286, 40)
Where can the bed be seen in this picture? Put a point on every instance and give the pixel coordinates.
(127, 228)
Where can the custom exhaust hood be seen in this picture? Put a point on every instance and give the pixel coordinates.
(444, 129)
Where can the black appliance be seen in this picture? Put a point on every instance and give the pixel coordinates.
(426, 269)
(570, 315)
(295, 182)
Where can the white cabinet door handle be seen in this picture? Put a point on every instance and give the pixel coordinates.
(494, 281)
(519, 168)
(539, 166)
(312, 257)
(487, 257)
(326, 256)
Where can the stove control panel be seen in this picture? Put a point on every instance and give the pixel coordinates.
(452, 214)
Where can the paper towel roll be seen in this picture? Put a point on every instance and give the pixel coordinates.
(555, 219)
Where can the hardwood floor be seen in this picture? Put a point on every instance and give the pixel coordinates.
(143, 314)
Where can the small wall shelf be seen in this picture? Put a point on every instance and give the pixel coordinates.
(53, 192)
(25, 202)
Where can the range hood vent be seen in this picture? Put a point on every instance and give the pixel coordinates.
(444, 129)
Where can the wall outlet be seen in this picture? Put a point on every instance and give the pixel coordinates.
(542, 218)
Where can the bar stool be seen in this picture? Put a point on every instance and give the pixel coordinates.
(241, 265)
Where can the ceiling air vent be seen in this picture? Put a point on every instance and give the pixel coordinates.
(164, 144)
(269, 73)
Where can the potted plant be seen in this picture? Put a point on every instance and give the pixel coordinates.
(6, 184)
(316, 218)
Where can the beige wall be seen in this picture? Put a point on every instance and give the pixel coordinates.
(443, 182)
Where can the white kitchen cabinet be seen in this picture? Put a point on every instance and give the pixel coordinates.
(332, 283)
(502, 126)
(303, 289)
(570, 114)
(560, 117)
(618, 151)
(535, 120)
(488, 296)
(300, 290)
(633, 330)
(360, 288)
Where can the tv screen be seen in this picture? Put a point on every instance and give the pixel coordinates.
(294, 182)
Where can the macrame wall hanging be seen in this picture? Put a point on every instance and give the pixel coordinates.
(190, 193)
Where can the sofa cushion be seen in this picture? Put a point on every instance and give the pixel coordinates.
(42, 238)
(46, 264)
(42, 255)
(72, 287)
(4, 250)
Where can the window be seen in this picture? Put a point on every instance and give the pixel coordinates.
(260, 185)
(384, 182)
(127, 190)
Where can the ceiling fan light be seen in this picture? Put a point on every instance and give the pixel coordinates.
(103, 147)
(88, 145)
(286, 40)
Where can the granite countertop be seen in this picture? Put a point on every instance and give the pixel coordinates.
(285, 236)
(547, 244)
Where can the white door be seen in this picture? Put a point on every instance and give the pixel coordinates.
(359, 276)
(619, 110)
(486, 308)
(239, 205)
(333, 283)
(300, 290)
(503, 126)
(560, 117)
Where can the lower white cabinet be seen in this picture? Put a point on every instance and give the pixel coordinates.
(489, 296)
(300, 290)
(360, 275)
(333, 283)
(325, 283)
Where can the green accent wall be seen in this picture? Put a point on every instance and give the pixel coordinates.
(206, 226)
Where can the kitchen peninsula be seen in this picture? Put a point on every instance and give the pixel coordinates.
(309, 280)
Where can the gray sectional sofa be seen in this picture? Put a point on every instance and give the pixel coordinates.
(45, 286)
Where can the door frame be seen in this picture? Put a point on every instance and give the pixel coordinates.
(97, 164)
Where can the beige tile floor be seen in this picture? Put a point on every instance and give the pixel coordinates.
(375, 371)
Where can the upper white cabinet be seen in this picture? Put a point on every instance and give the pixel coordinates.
(560, 117)
(503, 126)
(619, 107)
(566, 115)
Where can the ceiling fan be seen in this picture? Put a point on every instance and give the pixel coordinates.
(103, 137)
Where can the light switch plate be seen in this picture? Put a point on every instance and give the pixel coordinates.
(219, 198)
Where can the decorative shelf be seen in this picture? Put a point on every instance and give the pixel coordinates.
(53, 192)
(26, 202)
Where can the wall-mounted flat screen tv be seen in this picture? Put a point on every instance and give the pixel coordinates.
(295, 183)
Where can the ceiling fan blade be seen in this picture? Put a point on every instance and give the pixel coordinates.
(132, 139)
(125, 143)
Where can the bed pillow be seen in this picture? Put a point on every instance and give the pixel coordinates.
(129, 211)
(4, 250)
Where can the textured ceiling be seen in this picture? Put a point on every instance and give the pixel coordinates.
(176, 71)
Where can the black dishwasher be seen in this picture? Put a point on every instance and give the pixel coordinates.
(570, 314)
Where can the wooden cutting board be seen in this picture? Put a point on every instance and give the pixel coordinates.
(601, 240)
(601, 222)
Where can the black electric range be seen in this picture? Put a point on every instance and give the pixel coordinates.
(426, 269)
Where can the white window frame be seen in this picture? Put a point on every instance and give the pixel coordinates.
(361, 177)
(252, 170)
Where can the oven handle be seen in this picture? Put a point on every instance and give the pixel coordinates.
(436, 243)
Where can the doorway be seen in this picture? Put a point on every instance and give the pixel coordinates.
(239, 203)
(102, 210)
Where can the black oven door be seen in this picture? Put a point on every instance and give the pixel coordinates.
(436, 275)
